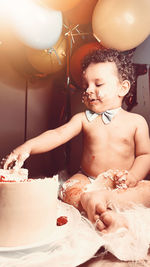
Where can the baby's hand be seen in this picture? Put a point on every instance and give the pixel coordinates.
(121, 179)
(131, 180)
(15, 159)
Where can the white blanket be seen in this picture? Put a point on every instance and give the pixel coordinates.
(133, 243)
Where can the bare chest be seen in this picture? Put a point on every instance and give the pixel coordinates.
(116, 132)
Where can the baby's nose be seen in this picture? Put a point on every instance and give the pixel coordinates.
(90, 90)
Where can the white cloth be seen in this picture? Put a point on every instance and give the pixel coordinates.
(131, 244)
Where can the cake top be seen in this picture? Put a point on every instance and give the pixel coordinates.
(21, 175)
(12, 175)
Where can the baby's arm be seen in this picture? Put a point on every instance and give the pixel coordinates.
(141, 165)
(45, 142)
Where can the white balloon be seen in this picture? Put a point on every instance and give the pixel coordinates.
(36, 26)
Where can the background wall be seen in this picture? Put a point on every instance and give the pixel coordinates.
(142, 57)
(27, 108)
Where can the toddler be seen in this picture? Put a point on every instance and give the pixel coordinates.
(116, 143)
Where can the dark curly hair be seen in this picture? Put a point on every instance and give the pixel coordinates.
(123, 61)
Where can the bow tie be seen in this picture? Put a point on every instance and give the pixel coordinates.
(106, 115)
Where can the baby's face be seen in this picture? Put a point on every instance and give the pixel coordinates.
(101, 85)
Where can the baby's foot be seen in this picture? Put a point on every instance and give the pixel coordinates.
(110, 221)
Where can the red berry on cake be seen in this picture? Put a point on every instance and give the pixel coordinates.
(62, 220)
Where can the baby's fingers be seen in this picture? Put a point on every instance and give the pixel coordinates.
(20, 160)
(9, 161)
(3, 162)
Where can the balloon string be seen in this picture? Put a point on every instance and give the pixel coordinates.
(71, 32)
(69, 49)
(74, 32)
(68, 104)
(51, 50)
(148, 73)
(81, 33)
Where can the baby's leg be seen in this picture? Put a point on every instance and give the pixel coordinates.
(126, 198)
(140, 194)
(97, 202)
(110, 220)
(72, 189)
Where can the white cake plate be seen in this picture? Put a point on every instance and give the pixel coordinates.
(61, 232)
(72, 244)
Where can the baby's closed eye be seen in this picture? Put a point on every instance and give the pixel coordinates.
(99, 85)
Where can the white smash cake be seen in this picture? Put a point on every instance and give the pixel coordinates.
(28, 208)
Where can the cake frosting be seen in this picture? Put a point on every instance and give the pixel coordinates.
(13, 175)
(28, 208)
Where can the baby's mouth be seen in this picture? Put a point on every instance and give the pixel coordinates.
(93, 100)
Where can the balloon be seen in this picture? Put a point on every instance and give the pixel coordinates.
(77, 15)
(121, 25)
(77, 57)
(49, 60)
(36, 26)
(62, 5)
(14, 51)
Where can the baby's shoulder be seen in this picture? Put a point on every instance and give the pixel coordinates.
(134, 118)
(79, 116)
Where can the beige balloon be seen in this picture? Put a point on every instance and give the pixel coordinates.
(51, 60)
(121, 24)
